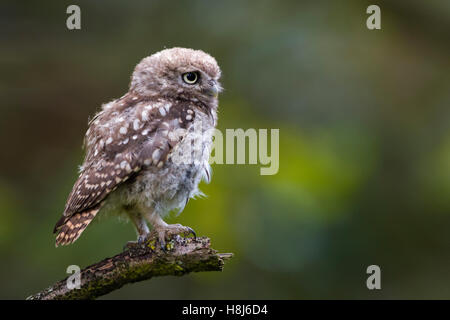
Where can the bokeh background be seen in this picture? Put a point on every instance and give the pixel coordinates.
(364, 124)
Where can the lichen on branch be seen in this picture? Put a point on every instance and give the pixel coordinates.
(139, 262)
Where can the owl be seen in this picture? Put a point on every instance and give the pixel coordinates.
(147, 151)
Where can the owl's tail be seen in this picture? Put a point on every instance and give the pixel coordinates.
(70, 228)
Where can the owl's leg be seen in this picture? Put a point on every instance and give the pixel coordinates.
(166, 231)
(140, 225)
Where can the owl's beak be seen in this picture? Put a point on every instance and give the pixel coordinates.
(213, 89)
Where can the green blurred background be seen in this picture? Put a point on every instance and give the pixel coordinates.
(364, 123)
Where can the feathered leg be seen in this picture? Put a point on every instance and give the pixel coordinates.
(140, 225)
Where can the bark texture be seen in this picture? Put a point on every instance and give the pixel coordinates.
(139, 262)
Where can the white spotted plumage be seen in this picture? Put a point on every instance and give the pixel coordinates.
(134, 165)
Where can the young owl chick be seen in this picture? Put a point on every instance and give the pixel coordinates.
(147, 151)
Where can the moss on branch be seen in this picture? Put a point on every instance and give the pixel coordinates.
(137, 263)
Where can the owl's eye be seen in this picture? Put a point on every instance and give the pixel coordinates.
(190, 77)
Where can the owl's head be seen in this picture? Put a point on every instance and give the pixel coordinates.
(178, 72)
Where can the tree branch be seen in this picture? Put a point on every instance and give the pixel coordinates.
(138, 263)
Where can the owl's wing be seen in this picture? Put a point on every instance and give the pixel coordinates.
(145, 139)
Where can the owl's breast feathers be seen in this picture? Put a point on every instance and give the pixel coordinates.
(128, 135)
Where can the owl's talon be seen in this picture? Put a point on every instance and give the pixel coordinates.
(168, 232)
(191, 231)
(141, 239)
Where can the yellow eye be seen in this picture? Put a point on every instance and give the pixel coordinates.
(190, 77)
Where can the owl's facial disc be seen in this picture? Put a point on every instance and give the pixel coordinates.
(198, 83)
(190, 77)
(212, 89)
(178, 72)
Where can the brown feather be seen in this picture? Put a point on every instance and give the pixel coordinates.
(71, 228)
(115, 162)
